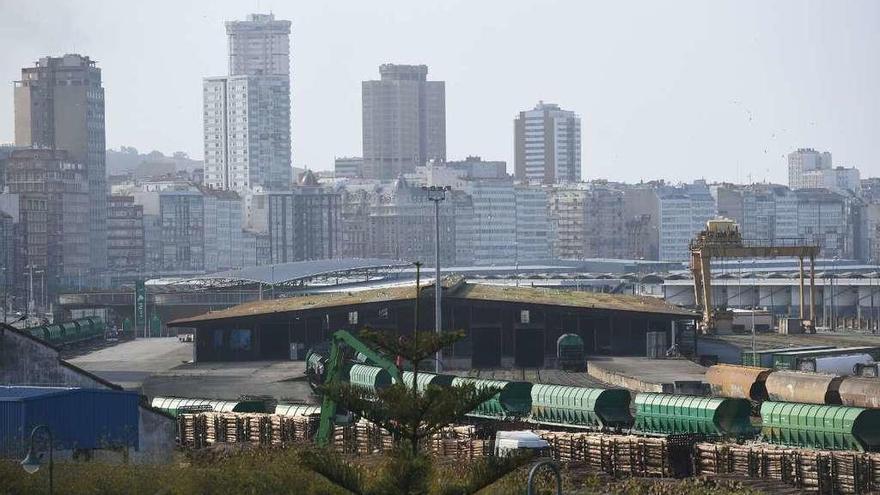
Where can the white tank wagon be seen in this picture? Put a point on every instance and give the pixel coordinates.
(835, 365)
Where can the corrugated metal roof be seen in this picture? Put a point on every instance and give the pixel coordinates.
(78, 417)
(573, 299)
(775, 340)
(484, 292)
(13, 393)
(287, 272)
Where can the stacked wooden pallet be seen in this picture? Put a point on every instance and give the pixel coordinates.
(812, 470)
(617, 455)
(192, 430)
(284, 430)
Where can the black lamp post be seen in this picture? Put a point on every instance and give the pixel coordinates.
(31, 462)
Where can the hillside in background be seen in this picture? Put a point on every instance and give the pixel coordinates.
(127, 160)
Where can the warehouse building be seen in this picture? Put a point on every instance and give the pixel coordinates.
(88, 415)
(502, 325)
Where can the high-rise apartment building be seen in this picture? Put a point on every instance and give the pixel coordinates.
(259, 46)
(404, 121)
(604, 222)
(59, 104)
(125, 235)
(764, 212)
(348, 167)
(532, 224)
(182, 217)
(247, 113)
(54, 222)
(547, 145)
(825, 218)
(567, 213)
(803, 161)
(224, 239)
(400, 221)
(683, 212)
(302, 224)
(494, 221)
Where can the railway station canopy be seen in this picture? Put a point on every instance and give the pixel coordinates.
(293, 273)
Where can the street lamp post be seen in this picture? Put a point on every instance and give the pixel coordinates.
(4, 297)
(30, 303)
(31, 462)
(437, 194)
(833, 308)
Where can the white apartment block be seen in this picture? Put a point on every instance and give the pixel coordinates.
(494, 221)
(532, 224)
(247, 133)
(802, 161)
(247, 113)
(259, 45)
(547, 145)
(684, 211)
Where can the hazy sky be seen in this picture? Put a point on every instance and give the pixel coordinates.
(675, 90)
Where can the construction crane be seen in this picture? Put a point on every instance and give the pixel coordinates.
(722, 239)
(334, 369)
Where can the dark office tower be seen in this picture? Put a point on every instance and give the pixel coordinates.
(404, 121)
(59, 104)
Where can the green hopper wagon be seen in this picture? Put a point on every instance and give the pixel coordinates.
(297, 410)
(70, 331)
(177, 405)
(687, 414)
(370, 379)
(57, 333)
(822, 427)
(39, 332)
(578, 406)
(513, 399)
(425, 379)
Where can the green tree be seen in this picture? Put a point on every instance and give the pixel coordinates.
(411, 413)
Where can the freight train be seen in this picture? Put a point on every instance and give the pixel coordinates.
(70, 332)
(726, 415)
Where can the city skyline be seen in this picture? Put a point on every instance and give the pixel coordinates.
(732, 87)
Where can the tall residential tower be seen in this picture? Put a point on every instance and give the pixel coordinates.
(404, 121)
(547, 145)
(247, 113)
(59, 105)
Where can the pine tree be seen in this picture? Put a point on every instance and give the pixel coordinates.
(411, 413)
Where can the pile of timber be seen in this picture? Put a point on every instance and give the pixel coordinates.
(820, 471)
(200, 430)
(623, 455)
(461, 442)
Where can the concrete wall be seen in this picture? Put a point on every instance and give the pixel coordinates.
(158, 437)
(27, 361)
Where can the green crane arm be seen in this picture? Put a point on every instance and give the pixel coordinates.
(333, 375)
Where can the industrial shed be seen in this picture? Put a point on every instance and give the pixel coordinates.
(503, 324)
(80, 419)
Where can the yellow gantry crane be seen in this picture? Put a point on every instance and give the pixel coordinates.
(722, 239)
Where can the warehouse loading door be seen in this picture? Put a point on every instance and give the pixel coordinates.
(274, 342)
(486, 344)
(529, 348)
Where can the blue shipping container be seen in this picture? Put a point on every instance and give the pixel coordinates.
(80, 418)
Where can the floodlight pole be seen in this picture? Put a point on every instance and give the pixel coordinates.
(437, 194)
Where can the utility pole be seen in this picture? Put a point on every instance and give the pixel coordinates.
(31, 304)
(437, 194)
(5, 290)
